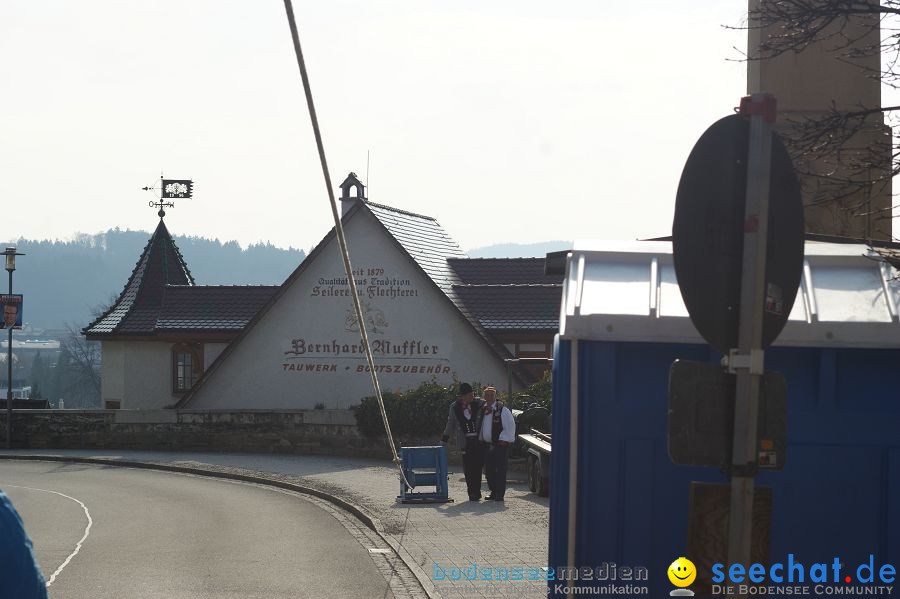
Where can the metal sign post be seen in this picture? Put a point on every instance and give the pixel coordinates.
(747, 360)
(11, 319)
(737, 249)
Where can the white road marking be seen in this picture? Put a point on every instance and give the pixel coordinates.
(87, 529)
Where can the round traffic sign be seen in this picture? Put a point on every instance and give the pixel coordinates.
(708, 234)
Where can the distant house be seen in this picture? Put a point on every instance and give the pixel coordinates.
(20, 390)
(431, 313)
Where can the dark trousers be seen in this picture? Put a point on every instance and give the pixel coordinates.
(473, 463)
(495, 469)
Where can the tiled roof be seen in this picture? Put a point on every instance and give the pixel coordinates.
(471, 284)
(505, 307)
(424, 240)
(211, 308)
(137, 307)
(431, 248)
(503, 271)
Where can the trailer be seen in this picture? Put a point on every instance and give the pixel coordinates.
(537, 447)
(535, 444)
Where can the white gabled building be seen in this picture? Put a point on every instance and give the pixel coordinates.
(432, 313)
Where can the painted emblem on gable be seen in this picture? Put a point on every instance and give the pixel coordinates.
(376, 322)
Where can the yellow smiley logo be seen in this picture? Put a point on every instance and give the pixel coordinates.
(682, 572)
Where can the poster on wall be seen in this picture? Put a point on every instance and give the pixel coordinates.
(11, 306)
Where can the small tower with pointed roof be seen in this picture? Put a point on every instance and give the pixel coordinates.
(135, 310)
(163, 329)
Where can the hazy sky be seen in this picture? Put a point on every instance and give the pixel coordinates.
(508, 121)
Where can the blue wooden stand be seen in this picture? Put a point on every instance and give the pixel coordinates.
(424, 466)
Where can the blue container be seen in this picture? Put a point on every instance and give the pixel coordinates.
(839, 493)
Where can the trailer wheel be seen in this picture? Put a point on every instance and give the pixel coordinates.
(534, 474)
(543, 479)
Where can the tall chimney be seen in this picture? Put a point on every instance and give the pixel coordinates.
(809, 84)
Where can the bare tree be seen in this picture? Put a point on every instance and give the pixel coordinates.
(77, 377)
(845, 152)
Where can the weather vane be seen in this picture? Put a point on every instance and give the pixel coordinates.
(170, 189)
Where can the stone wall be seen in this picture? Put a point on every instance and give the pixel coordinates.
(330, 432)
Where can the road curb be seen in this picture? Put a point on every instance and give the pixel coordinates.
(369, 520)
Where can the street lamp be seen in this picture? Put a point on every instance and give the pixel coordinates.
(10, 254)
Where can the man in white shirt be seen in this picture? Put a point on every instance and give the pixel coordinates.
(498, 430)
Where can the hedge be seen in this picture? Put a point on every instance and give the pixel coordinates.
(417, 413)
(422, 412)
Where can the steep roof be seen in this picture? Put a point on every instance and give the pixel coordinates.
(226, 308)
(424, 240)
(137, 307)
(509, 293)
(513, 307)
(432, 249)
(503, 271)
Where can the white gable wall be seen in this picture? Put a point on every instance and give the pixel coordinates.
(137, 373)
(112, 371)
(211, 351)
(305, 349)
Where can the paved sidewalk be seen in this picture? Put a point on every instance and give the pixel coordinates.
(446, 541)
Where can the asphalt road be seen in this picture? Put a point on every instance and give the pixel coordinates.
(146, 534)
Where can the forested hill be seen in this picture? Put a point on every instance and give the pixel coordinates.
(519, 250)
(64, 282)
